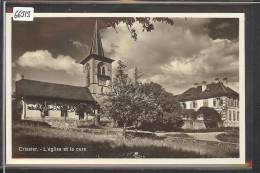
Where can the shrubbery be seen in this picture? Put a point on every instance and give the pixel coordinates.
(211, 117)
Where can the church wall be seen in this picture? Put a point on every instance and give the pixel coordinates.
(31, 110)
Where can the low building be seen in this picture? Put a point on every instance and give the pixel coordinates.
(33, 95)
(215, 95)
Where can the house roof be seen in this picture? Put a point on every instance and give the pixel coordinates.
(212, 90)
(25, 87)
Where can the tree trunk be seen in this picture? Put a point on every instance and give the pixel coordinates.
(136, 125)
(124, 130)
(115, 124)
(97, 120)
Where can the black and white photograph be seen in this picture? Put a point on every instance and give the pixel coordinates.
(135, 87)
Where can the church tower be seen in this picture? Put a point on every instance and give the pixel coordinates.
(97, 68)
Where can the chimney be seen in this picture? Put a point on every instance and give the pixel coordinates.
(216, 80)
(22, 76)
(204, 86)
(195, 85)
(225, 81)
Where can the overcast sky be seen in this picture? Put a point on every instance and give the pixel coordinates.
(192, 50)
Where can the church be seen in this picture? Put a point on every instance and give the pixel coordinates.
(39, 99)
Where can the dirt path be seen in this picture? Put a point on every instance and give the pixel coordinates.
(205, 136)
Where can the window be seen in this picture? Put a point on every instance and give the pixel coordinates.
(194, 104)
(220, 102)
(102, 90)
(205, 102)
(184, 105)
(231, 102)
(234, 116)
(99, 68)
(237, 115)
(214, 102)
(229, 115)
(103, 71)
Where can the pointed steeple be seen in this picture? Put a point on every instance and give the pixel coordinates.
(96, 50)
(96, 46)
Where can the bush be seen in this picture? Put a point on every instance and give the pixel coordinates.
(211, 116)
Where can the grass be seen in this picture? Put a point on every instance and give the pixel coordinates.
(107, 144)
(231, 136)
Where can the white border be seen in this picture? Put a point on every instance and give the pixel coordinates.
(128, 162)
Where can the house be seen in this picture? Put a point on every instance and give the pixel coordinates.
(36, 97)
(215, 95)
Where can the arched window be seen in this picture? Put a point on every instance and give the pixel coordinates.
(103, 73)
(99, 68)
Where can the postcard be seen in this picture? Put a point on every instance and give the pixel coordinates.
(125, 89)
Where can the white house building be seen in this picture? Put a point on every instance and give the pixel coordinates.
(215, 95)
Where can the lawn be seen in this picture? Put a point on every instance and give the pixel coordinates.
(104, 143)
(229, 136)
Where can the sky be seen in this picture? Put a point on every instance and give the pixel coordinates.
(175, 56)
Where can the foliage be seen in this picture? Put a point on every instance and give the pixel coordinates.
(191, 113)
(171, 110)
(128, 104)
(211, 116)
(146, 106)
(146, 22)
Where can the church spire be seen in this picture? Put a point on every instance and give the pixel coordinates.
(96, 46)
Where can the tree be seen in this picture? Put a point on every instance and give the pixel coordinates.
(129, 104)
(169, 118)
(146, 22)
(211, 116)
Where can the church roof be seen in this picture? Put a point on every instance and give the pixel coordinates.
(97, 57)
(96, 46)
(25, 87)
(96, 50)
(212, 90)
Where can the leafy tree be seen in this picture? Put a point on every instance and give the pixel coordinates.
(211, 116)
(129, 104)
(170, 107)
(146, 22)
